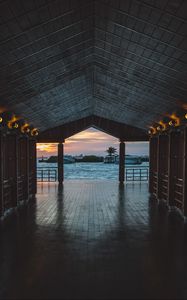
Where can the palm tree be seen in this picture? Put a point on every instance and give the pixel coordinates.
(111, 151)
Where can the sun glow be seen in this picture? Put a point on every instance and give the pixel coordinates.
(91, 141)
(88, 141)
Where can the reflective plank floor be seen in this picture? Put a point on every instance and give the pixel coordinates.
(93, 240)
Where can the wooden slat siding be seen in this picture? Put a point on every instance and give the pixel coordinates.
(176, 169)
(1, 173)
(9, 172)
(32, 167)
(15, 160)
(153, 171)
(23, 169)
(185, 173)
(163, 167)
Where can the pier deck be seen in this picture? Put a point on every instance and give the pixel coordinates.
(93, 239)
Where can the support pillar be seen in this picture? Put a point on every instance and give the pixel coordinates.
(185, 174)
(153, 165)
(35, 167)
(171, 168)
(121, 161)
(60, 162)
(1, 174)
(16, 173)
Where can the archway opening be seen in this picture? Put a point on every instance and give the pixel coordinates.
(87, 156)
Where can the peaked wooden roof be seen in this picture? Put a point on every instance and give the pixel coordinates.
(61, 61)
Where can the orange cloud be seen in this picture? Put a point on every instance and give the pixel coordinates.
(87, 141)
(46, 149)
(91, 141)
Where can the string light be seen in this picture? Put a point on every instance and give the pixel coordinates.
(12, 124)
(172, 123)
(152, 130)
(34, 132)
(25, 128)
(159, 128)
(15, 125)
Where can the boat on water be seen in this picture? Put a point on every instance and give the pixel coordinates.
(129, 159)
(43, 159)
(68, 159)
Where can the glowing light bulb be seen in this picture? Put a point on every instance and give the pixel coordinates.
(172, 123)
(34, 132)
(25, 128)
(15, 125)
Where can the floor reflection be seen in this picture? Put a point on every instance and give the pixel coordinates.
(93, 239)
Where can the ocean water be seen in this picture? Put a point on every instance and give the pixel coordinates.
(90, 170)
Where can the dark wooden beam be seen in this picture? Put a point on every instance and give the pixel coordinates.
(116, 129)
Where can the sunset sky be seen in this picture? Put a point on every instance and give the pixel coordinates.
(91, 141)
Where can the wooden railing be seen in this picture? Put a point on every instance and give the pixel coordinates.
(137, 174)
(47, 174)
(131, 174)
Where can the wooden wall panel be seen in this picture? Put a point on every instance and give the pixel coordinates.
(185, 173)
(32, 167)
(17, 169)
(1, 174)
(153, 170)
(23, 179)
(176, 169)
(163, 164)
(9, 171)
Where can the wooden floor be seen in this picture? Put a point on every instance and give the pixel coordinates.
(93, 239)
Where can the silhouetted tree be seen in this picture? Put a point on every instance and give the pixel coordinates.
(111, 150)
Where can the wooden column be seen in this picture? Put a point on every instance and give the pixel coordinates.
(121, 161)
(162, 183)
(32, 167)
(150, 165)
(185, 173)
(153, 166)
(23, 169)
(60, 162)
(16, 170)
(35, 164)
(1, 174)
(176, 169)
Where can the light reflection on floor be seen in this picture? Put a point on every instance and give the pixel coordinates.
(93, 239)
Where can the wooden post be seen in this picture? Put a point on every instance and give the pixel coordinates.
(16, 171)
(150, 166)
(185, 174)
(121, 161)
(1, 174)
(32, 167)
(170, 171)
(27, 167)
(153, 165)
(35, 167)
(176, 169)
(60, 162)
(159, 167)
(162, 180)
